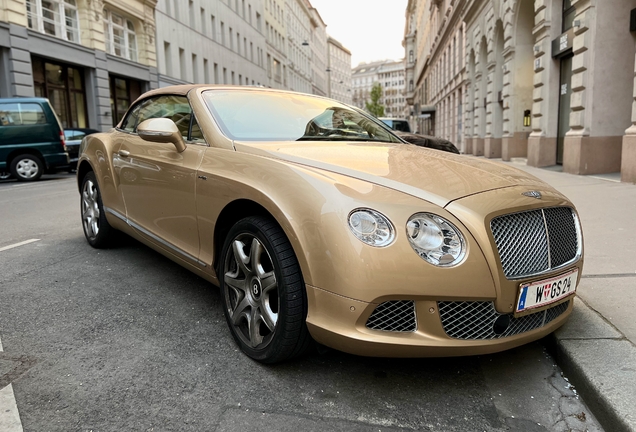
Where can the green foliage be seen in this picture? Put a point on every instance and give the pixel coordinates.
(374, 107)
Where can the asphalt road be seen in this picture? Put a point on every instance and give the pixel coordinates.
(125, 340)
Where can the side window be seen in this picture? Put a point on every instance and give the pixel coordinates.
(195, 132)
(130, 122)
(21, 114)
(176, 108)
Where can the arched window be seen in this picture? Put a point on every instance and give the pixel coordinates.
(411, 56)
(54, 17)
(120, 36)
(411, 85)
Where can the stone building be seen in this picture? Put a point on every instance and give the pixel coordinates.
(276, 36)
(339, 70)
(363, 77)
(319, 54)
(90, 58)
(549, 81)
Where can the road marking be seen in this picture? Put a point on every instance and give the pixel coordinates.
(2, 249)
(9, 415)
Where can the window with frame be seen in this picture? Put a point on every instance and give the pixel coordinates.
(175, 108)
(21, 114)
(119, 32)
(57, 18)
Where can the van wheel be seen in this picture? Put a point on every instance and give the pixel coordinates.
(27, 167)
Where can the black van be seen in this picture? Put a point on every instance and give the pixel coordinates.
(31, 139)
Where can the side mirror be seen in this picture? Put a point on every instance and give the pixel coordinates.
(161, 130)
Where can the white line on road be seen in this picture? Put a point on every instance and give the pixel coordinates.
(2, 249)
(9, 415)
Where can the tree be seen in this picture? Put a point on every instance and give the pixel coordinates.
(375, 107)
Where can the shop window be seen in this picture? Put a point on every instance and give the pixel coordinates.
(63, 85)
(119, 32)
(123, 92)
(56, 18)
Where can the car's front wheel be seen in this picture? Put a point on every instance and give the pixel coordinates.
(27, 167)
(263, 291)
(97, 230)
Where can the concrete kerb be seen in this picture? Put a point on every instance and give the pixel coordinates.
(601, 363)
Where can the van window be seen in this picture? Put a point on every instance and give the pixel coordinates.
(21, 114)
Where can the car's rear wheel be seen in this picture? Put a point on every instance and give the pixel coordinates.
(5, 175)
(263, 291)
(27, 167)
(97, 230)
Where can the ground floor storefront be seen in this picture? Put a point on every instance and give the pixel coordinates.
(87, 88)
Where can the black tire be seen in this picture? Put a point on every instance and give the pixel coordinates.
(97, 230)
(276, 314)
(27, 167)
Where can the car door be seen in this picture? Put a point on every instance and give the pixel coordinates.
(158, 183)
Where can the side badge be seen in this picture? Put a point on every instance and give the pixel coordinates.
(533, 194)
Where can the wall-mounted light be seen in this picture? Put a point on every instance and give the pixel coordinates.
(537, 48)
(305, 43)
(527, 118)
(576, 24)
(327, 70)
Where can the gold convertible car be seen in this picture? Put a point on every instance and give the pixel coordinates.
(319, 224)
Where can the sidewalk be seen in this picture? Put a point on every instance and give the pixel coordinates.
(596, 348)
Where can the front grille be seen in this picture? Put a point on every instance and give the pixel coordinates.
(535, 241)
(394, 316)
(476, 320)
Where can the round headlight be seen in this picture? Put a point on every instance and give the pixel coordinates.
(435, 239)
(371, 227)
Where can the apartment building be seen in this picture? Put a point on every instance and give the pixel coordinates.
(391, 76)
(212, 42)
(91, 59)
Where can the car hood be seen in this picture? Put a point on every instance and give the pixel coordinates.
(432, 175)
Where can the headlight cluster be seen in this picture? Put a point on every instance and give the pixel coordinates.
(371, 227)
(433, 238)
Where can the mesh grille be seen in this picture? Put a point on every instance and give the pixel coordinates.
(562, 233)
(475, 320)
(522, 240)
(394, 316)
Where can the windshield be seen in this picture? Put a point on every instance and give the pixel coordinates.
(248, 115)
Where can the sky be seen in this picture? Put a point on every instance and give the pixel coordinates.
(370, 29)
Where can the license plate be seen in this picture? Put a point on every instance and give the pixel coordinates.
(541, 293)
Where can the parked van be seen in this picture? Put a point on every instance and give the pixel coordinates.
(31, 138)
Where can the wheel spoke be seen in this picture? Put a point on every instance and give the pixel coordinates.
(256, 251)
(268, 282)
(269, 318)
(238, 285)
(242, 310)
(241, 259)
(254, 328)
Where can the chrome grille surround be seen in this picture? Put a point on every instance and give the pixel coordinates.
(475, 320)
(534, 242)
(394, 316)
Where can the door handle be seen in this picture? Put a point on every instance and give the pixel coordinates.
(123, 153)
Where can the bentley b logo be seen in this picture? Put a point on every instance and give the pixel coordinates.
(533, 194)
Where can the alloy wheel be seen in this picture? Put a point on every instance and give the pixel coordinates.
(90, 209)
(251, 291)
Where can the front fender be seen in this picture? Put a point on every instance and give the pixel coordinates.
(97, 150)
(312, 207)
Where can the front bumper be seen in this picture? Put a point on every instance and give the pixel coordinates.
(340, 323)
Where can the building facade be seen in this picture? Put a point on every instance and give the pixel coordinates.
(276, 36)
(339, 70)
(549, 81)
(391, 78)
(217, 42)
(298, 48)
(319, 53)
(90, 58)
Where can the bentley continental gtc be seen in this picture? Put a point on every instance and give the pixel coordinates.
(320, 225)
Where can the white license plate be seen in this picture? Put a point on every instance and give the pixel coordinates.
(541, 293)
